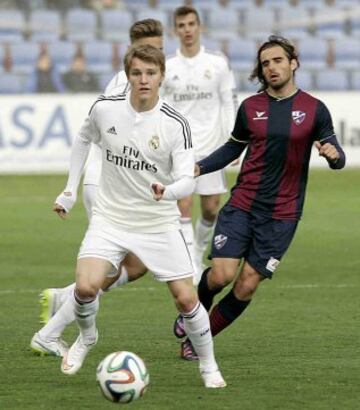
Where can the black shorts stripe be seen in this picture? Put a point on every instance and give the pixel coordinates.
(166, 109)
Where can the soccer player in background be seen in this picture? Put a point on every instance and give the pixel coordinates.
(48, 339)
(148, 161)
(278, 126)
(200, 84)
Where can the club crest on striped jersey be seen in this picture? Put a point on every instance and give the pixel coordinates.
(298, 117)
(220, 241)
(154, 142)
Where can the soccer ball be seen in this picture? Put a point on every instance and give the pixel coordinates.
(122, 377)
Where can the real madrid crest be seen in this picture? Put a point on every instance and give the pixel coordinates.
(207, 74)
(154, 142)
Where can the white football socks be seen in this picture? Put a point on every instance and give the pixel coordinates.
(62, 318)
(197, 328)
(203, 234)
(85, 314)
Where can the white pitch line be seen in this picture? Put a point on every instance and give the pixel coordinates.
(153, 289)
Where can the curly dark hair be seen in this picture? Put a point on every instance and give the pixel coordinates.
(285, 44)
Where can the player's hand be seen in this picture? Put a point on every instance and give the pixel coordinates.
(63, 203)
(59, 210)
(327, 151)
(157, 191)
(196, 171)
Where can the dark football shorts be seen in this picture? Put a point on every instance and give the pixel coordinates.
(260, 239)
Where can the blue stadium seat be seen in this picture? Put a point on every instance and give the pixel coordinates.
(313, 53)
(62, 53)
(104, 79)
(171, 44)
(355, 26)
(115, 25)
(329, 23)
(355, 80)
(211, 44)
(346, 53)
(24, 56)
(80, 24)
(45, 25)
(98, 55)
(244, 84)
(294, 22)
(259, 23)
(242, 53)
(332, 80)
(304, 79)
(223, 23)
(12, 26)
(11, 83)
(146, 13)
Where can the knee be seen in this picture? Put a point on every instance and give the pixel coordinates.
(220, 277)
(85, 291)
(247, 283)
(186, 303)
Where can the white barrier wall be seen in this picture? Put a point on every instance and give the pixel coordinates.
(36, 131)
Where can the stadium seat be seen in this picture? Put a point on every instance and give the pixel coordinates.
(12, 26)
(98, 55)
(244, 84)
(171, 44)
(115, 25)
(146, 13)
(80, 25)
(212, 44)
(104, 79)
(313, 53)
(346, 53)
(332, 80)
(294, 22)
(329, 22)
(241, 53)
(355, 80)
(258, 23)
(24, 56)
(45, 25)
(223, 23)
(354, 22)
(304, 79)
(11, 83)
(62, 53)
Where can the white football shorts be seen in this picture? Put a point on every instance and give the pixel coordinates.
(165, 254)
(211, 184)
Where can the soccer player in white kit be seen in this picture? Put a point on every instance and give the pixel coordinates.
(148, 164)
(47, 341)
(200, 85)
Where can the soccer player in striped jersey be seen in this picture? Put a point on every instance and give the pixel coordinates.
(278, 126)
(200, 84)
(147, 165)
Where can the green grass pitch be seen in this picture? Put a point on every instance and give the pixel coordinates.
(296, 347)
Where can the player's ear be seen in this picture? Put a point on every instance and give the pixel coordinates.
(293, 64)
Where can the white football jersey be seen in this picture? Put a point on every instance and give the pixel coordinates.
(138, 149)
(118, 85)
(194, 86)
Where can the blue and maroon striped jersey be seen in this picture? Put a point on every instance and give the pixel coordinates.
(279, 134)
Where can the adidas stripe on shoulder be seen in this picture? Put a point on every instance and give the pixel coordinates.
(172, 113)
(102, 97)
